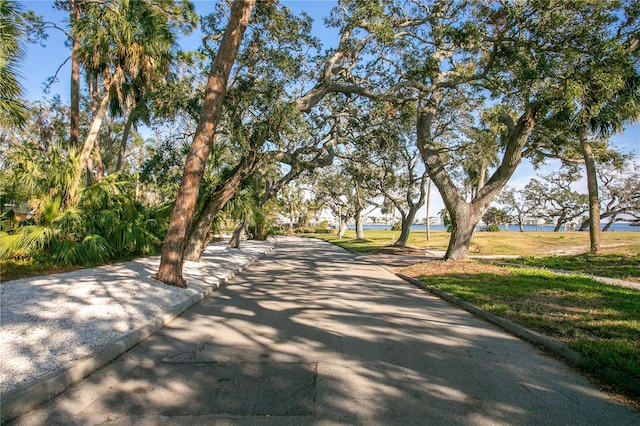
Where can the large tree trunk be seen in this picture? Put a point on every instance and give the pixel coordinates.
(200, 232)
(407, 221)
(592, 186)
(170, 270)
(85, 155)
(342, 228)
(464, 219)
(74, 118)
(359, 229)
(428, 209)
(465, 216)
(237, 236)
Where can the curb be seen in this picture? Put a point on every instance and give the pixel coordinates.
(20, 400)
(552, 345)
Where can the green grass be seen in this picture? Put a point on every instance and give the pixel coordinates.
(498, 243)
(375, 239)
(622, 262)
(622, 266)
(600, 321)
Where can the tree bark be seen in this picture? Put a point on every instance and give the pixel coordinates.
(359, 229)
(74, 118)
(608, 225)
(559, 223)
(464, 219)
(592, 186)
(407, 221)
(428, 208)
(200, 232)
(342, 228)
(88, 147)
(123, 141)
(99, 164)
(170, 270)
(237, 236)
(466, 215)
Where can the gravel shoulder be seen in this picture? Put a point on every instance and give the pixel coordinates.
(49, 322)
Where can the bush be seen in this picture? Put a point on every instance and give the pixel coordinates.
(491, 228)
(304, 230)
(324, 230)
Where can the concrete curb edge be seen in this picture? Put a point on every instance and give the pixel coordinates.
(21, 400)
(554, 346)
(550, 344)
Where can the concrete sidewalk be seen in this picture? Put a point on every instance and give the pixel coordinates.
(312, 334)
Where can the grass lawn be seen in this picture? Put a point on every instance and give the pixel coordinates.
(620, 256)
(622, 266)
(600, 321)
(498, 243)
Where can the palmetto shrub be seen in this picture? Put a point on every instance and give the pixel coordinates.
(107, 223)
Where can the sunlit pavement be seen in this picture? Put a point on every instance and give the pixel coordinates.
(312, 334)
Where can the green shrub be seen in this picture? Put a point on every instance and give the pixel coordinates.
(323, 230)
(304, 230)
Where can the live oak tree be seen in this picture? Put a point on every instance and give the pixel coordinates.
(334, 189)
(259, 112)
(437, 52)
(553, 197)
(619, 184)
(170, 269)
(384, 158)
(515, 205)
(269, 102)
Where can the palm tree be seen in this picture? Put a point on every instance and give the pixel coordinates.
(445, 217)
(128, 46)
(12, 110)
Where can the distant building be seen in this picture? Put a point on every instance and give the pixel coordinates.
(533, 221)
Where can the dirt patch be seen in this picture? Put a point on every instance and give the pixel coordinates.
(460, 268)
(400, 251)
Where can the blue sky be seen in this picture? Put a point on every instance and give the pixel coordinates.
(42, 62)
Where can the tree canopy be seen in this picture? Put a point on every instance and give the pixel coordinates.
(452, 92)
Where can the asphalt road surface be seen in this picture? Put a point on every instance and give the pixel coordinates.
(312, 334)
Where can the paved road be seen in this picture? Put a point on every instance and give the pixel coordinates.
(311, 334)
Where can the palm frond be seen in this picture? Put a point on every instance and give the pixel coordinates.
(66, 252)
(94, 249)
(8, 244)
(35, 237)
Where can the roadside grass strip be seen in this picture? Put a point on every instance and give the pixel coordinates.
(620, 266)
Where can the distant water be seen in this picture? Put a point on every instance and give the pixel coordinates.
(619, 226)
